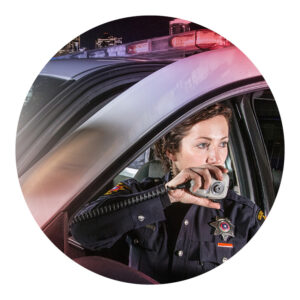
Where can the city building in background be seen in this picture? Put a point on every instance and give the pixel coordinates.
(107, 40)
(71, 47)
(178, 26)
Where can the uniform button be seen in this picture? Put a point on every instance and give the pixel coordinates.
(180, 253)
(224, 259)
(136, 241)
(186, 222)
(141, 218)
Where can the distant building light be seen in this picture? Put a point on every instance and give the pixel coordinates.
(108, 41)
(71, 47)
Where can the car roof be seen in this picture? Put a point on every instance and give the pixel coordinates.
(69, 168)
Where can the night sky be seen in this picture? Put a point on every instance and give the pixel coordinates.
(131, 29)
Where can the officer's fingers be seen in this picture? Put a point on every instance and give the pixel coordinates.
(221, 168)
(182, 177)
(175, 195)
(207, 170)
(201, 202)
(224, 170)
(207, 203)
(205, 174)
(206, 177)
(177, 180)
(186, 175)
(217, 172)
(197, 182)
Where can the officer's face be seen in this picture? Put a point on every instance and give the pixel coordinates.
(205, 143)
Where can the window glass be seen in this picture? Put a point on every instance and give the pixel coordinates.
(42, 91)
(132, 169)
(271, 128)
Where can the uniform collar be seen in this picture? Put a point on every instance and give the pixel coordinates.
(229, 195)
(167, 177)
(222, 205)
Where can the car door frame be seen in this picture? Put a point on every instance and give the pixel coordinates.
(103, 181)
(259, 174)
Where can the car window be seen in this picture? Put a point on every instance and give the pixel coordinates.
(240, 159)
(43, 90)
(268, 118)
(132, 169)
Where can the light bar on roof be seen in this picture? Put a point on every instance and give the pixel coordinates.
(196, 40)
(208, 40)
(183, 41)
(204, 39)
(138, 48)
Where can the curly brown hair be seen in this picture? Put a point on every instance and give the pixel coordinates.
(171, 141)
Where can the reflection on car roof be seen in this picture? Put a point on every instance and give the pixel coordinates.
(76, 68)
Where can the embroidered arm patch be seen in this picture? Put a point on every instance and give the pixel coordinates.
(260, 216)
(119, 187)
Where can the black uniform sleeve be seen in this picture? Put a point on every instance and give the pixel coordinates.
(129, 205)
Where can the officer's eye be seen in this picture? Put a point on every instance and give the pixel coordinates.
(224, 144)
(203, 145)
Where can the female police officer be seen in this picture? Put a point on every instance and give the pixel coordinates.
(172, 234)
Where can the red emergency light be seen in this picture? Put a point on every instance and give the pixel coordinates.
(138, 48)
(204, 39)
(207, 39)
(183, 41)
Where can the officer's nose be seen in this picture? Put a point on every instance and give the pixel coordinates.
(213, 157)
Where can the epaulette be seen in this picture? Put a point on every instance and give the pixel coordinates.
(232, 195)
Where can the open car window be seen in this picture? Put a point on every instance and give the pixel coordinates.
(147, 165)
(241, 160)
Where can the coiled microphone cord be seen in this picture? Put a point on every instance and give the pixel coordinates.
(116, 205)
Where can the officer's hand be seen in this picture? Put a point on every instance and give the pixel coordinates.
(202, 178)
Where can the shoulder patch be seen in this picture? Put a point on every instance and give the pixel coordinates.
(260, 215)
(119, 187)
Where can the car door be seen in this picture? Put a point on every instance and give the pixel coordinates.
(85, 163)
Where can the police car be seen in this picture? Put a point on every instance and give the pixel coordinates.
(91, 118)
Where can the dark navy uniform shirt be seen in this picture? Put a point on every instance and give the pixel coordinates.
(167, 242)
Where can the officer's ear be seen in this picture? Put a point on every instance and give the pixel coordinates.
(171, 156)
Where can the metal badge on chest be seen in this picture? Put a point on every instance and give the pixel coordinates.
(223, 227)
